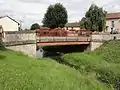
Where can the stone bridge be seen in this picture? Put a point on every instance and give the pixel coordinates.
(68, 40)
(27, 41)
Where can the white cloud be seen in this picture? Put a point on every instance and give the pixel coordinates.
(30, 11)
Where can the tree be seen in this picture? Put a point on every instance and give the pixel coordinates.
(84, 23)
(35, 26)
(95, 19)
(55, 16)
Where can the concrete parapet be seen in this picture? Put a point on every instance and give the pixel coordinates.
(22, 41)
(98, 39)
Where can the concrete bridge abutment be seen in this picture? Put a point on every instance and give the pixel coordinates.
(21, 41)
(99, 39)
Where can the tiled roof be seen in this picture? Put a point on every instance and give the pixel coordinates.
(75, 24)
(113, 15)
(10, 18)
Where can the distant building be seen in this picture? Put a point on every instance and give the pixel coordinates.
(44, 28)
(113, 22)
(74, 26)
(9, 24)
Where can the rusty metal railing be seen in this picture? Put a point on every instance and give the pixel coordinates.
(63, 35)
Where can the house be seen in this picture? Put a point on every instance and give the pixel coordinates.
(113, 22)
(74, 26)
(9, 24)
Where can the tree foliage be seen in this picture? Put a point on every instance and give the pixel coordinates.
(35, 26)
(95, 19)
(55, 16)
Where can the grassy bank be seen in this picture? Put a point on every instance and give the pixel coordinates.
(104, 62)
(19, 72)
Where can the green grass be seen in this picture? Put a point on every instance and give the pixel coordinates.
(104, 61)
(109, 52)
(19, 72)
(84, 61)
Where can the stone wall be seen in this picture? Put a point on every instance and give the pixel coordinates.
(104, 37)
(22, 41)
(28, 49)
(98, 39)
(18, 36)
(95, 45)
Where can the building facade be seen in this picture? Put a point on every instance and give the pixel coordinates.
(72, 26)
(9, 24)
(113, 22)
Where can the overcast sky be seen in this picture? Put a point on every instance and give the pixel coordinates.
(30, 11)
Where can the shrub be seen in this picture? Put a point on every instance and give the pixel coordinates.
(35, 26)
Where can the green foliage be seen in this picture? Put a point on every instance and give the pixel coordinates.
(84, 62)
(35, 26)
(109, 51)
(56, 16)
(104, 61)
(85, 23)
(110, 75)
(95, 19)
(19, 72)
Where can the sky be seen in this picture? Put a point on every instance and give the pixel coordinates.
(28, 12)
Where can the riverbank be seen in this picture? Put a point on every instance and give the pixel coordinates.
(103, 63)
(20, 72)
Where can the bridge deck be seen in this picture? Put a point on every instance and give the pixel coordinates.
(54, 41)
(61, 43)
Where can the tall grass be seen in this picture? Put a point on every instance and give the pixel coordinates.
(19, 72)
(104, 61)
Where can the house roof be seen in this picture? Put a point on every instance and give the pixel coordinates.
(74, 24)
(10, 18)
(113, 15)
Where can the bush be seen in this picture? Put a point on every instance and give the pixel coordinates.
(2, 46)
(35, 26)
